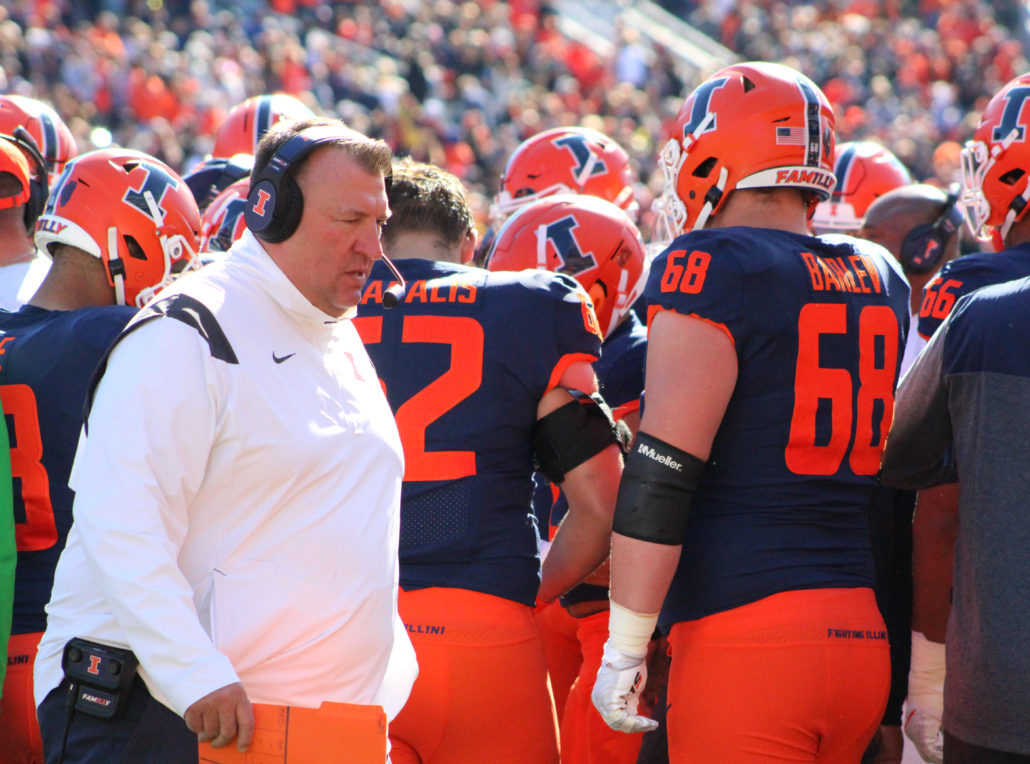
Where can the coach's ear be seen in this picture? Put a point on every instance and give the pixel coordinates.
(468, 246)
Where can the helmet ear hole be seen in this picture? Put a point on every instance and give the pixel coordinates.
(134, 249)
(704, 169)
(1012, 176)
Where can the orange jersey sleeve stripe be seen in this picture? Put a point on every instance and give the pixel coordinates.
(626, 408)
(562, 366)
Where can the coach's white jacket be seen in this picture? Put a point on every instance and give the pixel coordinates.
(237, 503)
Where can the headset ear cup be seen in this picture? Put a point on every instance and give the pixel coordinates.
(259, 214)
(921, 250)
(291, 209)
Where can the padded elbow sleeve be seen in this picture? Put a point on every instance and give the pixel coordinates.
(572, 434)
(657, 487)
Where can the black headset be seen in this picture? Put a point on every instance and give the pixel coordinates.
(924, 246)
(39, 184)
(275, 203)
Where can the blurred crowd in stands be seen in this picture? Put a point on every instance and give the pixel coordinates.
(461, 84)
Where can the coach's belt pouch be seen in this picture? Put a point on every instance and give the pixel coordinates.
(101, 675)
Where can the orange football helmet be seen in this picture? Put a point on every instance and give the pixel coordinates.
(582, 236)
(248, 121)
(750, 125)
(865, 171)
(108, 198)
(222, 221)
(995, 183)
(577, 160)
(53, 138)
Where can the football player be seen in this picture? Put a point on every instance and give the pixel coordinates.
(920, 225)
(995, 190)
(23, 190)
(597, 243)
(570, 160)
(46, 138)
(118, 225)
(246, 122)
(865, 171)
(740, 525)
(576, 160)
(478, 394)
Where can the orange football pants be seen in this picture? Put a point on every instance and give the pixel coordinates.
(585, 738)
(799, 676)
(481, 693)
(20, 742)
(561, 650)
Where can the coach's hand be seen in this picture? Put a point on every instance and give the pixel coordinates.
(616, 692)
(222, 715)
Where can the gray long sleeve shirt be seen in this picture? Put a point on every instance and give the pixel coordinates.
(963, 413)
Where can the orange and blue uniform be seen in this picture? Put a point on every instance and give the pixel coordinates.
(967, 274)
(46, 361)
(585, 738)
(776, 642)
(465, 359)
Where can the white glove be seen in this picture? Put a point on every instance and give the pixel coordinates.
(616, 692)
(924, 730)
(926, 698)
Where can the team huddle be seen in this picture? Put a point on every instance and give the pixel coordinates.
(306, 464)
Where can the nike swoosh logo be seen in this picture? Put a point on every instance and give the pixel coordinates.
(280, 359)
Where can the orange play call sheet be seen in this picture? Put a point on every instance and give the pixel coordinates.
(289, 735)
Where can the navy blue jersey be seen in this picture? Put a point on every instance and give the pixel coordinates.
(465, 359)
(46, 360)
(620, 381)
(818, 327)
(964, 275)
(620, 369)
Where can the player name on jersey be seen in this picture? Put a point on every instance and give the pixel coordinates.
(855, 273)
(422, 291)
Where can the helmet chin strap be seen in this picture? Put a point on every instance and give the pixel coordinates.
(541, 246)
(712, 198)
(1017, 207)
(115, 268)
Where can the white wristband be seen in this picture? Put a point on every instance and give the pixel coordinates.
(926, 675)
(630, 632)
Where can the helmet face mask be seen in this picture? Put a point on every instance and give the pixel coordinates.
(573, 160)
(751, 125)
(585, 237)
(995, 164)
(976, 209)
(132, 212)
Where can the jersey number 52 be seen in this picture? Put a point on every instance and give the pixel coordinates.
(465, 337)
